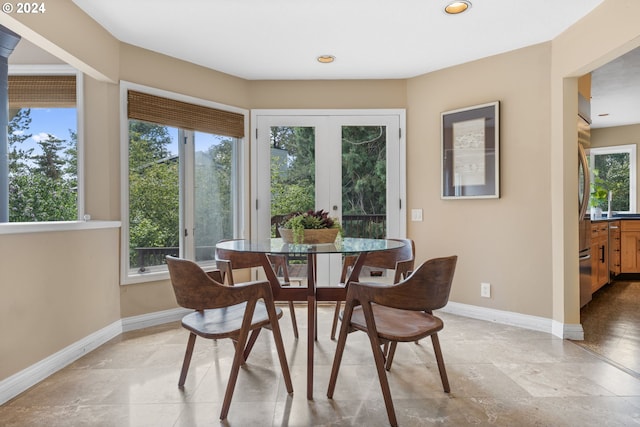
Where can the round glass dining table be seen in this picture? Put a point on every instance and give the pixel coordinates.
(311, 293)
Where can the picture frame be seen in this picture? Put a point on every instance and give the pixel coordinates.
(471, 152)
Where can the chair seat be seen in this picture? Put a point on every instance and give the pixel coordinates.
(398, 325)
(225, 322)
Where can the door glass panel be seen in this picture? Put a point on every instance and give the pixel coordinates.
(364, 181)
(292, 171)
(292, 151)
(213, 198)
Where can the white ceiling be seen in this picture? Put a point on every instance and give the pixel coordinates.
(371, 39)
(615, 91)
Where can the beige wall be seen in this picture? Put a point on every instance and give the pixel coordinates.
(502, 241)
(524, 243)
(354, 94)
(57, 288)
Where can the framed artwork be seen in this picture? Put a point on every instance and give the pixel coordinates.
(471, 152)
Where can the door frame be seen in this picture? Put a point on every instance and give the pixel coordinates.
(258, 201)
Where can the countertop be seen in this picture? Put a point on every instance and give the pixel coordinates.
(616, 217)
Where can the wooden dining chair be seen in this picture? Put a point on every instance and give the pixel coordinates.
(399, 260)
(397, 313)
(225, 312)
(227, 261)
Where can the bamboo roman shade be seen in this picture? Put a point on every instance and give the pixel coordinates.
(42, 91)
(164, 111)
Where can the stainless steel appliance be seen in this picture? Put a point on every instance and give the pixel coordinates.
(584, 253)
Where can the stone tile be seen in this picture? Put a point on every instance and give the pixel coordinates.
(499, 375)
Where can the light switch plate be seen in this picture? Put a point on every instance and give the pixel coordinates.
(416, 214)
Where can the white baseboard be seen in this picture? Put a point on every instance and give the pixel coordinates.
(570, 331)
(17, 383)
(21, 381)
(536, 323)
(152, 319)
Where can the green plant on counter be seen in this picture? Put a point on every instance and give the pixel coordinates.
(310, 220)
(599, 192)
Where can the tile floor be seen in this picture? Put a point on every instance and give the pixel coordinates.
(499, 375)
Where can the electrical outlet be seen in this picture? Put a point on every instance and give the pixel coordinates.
(485, 290)
(416, 214)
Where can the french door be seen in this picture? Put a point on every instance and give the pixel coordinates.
(348, 163)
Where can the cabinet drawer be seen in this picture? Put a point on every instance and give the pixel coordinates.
(599, 229)
(630, 225)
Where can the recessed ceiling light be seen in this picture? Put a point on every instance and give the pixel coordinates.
(326, 59)
(457, 7)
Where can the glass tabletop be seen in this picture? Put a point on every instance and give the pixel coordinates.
(341, 245)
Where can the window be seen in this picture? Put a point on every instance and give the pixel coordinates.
(613, 169)
(182, 181)
(43, 148)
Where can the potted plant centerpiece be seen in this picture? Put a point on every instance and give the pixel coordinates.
(310, 227)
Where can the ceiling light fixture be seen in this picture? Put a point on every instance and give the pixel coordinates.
(326, 59)
(457, 7)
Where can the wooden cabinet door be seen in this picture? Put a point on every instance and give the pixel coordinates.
(629, 251)
(599, 255)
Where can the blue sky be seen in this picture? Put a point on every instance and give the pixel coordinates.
(54, 121)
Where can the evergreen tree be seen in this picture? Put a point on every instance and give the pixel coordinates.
(17, 134)
(50, 163)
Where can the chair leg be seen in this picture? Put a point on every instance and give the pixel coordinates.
(378, 356)
(238, 360)
(443, 373)
(390, 353)
(294, 322)
(187, 359)
(336, 315)
(337, 358)
(277, 338)
(252, 340)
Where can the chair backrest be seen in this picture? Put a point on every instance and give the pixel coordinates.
(390, 257)
(227, 260)
(427, 288)
(401, 260)
(193, 287)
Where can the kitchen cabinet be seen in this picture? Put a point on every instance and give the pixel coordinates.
(614, 248)
(630, 246)
(599, 254)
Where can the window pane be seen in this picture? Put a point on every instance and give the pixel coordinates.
(214, 184)
(43, 164)
(154, 198)
(364, 181)
(611, 172)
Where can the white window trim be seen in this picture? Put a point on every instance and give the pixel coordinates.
(127, 277)
(34, 227)
(616, 149)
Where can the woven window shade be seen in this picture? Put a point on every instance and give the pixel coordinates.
(42, 91)
(164, 111)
